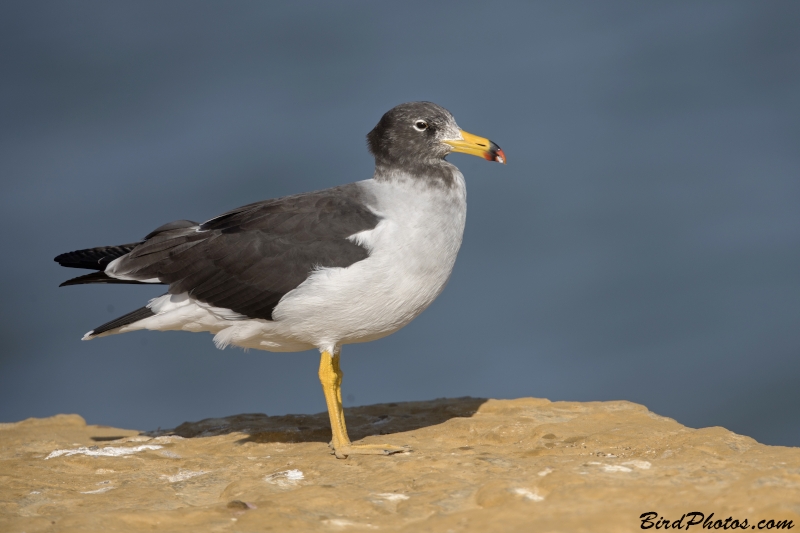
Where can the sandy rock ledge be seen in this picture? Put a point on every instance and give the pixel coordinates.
(477, 465)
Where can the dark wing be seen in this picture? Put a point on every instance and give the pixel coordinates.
(248, 258)
(99, 258)
(95, 258)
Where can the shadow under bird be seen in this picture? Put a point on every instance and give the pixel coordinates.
(322, 269)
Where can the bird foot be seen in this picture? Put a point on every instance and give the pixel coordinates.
(342, 452)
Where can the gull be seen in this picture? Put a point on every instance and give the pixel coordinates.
(317, 270)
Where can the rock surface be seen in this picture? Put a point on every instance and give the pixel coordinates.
(476, 465)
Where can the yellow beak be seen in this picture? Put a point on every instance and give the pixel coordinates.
(474, 145)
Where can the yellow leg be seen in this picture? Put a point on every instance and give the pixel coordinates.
(339, 375)
(331, 378)
(330, 375)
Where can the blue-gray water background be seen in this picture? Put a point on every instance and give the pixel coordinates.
(643, 242)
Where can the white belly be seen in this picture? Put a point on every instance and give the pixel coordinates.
(412, 252)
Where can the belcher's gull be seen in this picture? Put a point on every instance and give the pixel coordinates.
(322, 269)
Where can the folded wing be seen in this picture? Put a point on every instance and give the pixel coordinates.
(247, 259)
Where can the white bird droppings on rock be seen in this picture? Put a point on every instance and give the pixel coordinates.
(98, 491)
(285, 478)
(139, 438)
(642, 465)
(183, 475)
(616, 468)
(108, 451)
(168, 438)
(341, 523)
(533, 495)
(392, 497)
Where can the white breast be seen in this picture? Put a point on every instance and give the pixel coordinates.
(412, 252)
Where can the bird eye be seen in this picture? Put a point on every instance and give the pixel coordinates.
(420, 125)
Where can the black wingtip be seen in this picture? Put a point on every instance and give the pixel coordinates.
(98, 277)
(124, 320)
(94, 258)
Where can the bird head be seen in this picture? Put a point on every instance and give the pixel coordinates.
(423, 132)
